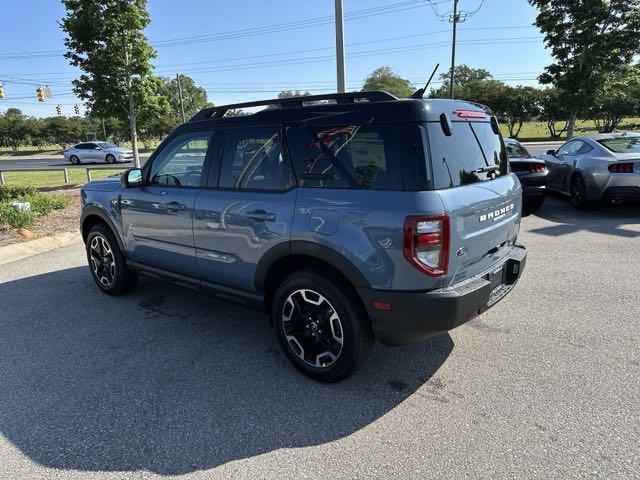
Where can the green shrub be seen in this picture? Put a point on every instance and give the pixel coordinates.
(41, 205)
(8, 192)
(45, 204)
(15, 218)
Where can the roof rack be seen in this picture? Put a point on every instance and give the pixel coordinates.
(371, 96)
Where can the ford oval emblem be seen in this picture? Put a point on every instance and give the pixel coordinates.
(462, 251)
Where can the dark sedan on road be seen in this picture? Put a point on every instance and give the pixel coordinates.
(531, 172)
(602, 167)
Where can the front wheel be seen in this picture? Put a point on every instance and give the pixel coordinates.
(321, 326)
(107, 263)
(110, 158)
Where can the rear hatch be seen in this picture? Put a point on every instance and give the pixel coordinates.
(470, 172)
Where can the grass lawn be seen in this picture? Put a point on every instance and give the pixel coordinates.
(537, 131)
(54, 179)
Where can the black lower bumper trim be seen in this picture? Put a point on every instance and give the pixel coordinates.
(415, 316)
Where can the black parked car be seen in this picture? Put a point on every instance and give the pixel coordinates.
(532, 173)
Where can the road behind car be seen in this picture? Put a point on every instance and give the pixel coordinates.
(167, 381)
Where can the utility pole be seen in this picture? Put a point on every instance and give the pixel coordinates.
(455, 20)
(184, 120)
(340, 46)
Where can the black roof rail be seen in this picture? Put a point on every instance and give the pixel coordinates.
(371, 96)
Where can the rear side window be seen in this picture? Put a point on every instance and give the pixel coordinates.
(353, 156)
(473, 153)
(253, 160)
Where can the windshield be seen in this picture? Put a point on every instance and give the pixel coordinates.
(514, 149)
(473, 153)
(107, 145)
(629, 144)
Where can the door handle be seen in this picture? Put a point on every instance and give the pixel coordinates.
(261, 216)
(175, 206)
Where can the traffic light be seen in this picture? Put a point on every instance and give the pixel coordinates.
(59, 109)
(40, 93)
(1, 90)
(76, 108)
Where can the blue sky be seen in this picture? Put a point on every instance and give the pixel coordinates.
(244, 50)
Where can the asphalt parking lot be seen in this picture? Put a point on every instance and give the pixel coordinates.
(166, 381)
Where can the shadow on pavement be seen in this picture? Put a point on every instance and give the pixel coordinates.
(171, 381)
(600, 218)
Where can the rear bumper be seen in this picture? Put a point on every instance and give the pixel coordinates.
(622, 194)
(415, 316)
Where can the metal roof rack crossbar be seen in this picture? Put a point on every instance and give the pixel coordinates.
(371, 96)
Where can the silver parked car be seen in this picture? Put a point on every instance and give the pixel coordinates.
(92, 152)
(605, 166)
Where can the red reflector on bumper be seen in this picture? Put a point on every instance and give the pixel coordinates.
(379, 305)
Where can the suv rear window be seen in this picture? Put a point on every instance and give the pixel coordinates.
(473, 153)
(353, 156)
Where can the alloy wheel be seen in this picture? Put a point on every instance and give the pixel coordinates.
(578, 191)
(102, 261)
(312, 328)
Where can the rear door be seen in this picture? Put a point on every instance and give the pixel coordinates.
(480, 195)
(248, 208)
(157, 217)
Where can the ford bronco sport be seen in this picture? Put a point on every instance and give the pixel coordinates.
(348, 217)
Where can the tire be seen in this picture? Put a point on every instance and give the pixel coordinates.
(110, 158)
(325, 317)
(534, 204)
(112, 277)
(74, 160)
(578, 192)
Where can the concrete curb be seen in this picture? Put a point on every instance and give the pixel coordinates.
(18, 251)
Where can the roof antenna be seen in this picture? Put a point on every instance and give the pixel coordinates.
(420, 92)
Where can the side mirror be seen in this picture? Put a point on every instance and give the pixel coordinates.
(551, 152)
(131, 178)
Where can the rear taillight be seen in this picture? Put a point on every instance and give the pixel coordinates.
(537, 168)
(621, 168)
(426, 243)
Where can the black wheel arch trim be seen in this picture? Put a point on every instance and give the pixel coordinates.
(92, 211)
(309, 249)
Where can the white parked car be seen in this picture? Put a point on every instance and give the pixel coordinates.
(91, 152)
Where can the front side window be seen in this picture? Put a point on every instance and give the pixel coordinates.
(253, 160)
(353, 156)
(181, 161)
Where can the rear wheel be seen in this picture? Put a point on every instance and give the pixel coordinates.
(321, 326)
(110, 158)
(75, 160)
(578, 192)
(107, 263)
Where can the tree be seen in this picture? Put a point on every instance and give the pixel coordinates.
(587, 38)
(520, 105)
(553, 109)
(194, 98)
(616, 98)
(14, 128)
(293, 93)
(105, 40)
(384, 78)
(463, 77)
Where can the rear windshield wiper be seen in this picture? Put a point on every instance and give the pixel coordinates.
(489, 168)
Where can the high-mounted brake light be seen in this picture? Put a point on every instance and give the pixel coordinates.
(621, 168)
(426, 243)
(470, 114)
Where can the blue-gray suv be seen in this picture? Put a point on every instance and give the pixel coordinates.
(348, 217)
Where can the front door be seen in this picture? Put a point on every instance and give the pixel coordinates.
(559, 165)
(248, 210)
(157, 217)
